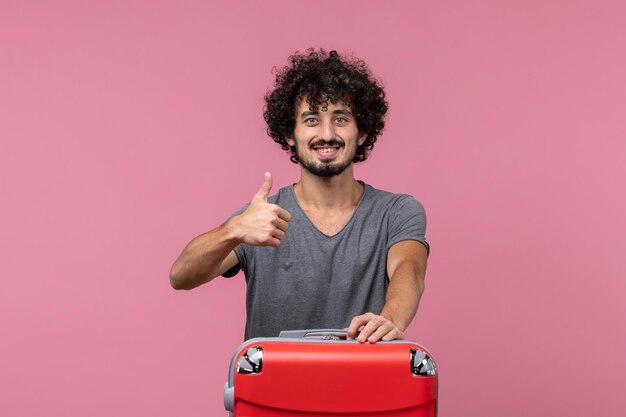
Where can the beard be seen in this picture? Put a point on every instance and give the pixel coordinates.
(326, 169)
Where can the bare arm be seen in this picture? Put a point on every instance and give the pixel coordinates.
(204, 258)
(211, 254)
(406, 268)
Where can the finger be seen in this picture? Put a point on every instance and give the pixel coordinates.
(372, 326)
(273, 242)
(280, 212)
(278, 234)
(352, 329)
(396, 334)
(283, 214)
(385, 329)
(281, 224)
(365, 333)
(265, 189)
(356, 325)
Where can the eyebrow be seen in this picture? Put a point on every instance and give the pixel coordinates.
(316, 112)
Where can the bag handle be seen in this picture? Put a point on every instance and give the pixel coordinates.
(321, 334)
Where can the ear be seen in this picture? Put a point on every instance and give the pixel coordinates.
(290, 141)
(362, 139)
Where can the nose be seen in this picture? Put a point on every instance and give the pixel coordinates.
(327, 130)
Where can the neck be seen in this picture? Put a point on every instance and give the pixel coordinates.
(339, 191)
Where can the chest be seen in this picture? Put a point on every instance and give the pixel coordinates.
(330, 222)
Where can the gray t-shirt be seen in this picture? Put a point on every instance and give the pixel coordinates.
(317, 281)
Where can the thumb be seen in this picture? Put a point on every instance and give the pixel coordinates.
(265, 189)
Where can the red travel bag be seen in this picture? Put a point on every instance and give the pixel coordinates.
(306, 373)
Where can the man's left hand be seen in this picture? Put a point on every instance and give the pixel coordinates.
(372, 328)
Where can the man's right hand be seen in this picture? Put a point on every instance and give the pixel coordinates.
(262, 223)
(211, 254)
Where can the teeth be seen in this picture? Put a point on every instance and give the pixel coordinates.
(326, 150)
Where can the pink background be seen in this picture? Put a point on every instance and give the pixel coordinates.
(128, 127)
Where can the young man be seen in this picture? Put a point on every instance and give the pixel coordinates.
(328, 251)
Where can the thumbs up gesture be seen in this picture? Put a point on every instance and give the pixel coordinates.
(262, 223)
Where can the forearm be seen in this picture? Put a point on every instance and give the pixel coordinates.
(406, 269)
(406, 287)
(203, 258)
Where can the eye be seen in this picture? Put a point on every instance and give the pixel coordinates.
(310, 120)
(341, 120)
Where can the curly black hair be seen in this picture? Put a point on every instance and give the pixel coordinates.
(321, 77)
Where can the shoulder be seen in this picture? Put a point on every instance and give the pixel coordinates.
(393, 201)
(404, 216)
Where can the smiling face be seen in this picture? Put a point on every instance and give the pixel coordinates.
(326, 138)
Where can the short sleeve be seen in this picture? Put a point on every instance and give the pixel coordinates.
(407, 222)
(232, 271)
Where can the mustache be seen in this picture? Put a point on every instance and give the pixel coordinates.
(332, 142)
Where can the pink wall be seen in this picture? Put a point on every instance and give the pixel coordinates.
(128, 127)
